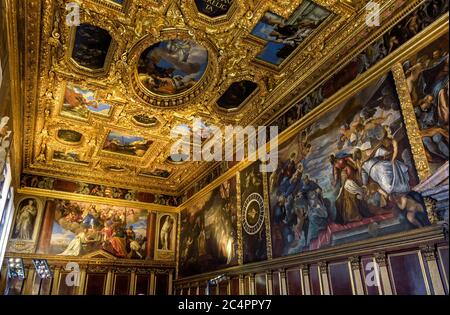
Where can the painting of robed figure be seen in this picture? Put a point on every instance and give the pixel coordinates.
(347, 177)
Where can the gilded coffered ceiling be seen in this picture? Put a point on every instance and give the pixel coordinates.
(101, 98)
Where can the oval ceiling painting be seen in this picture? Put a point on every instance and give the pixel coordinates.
(172, 67)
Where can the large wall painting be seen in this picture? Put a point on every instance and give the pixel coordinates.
(427, 80)
(283, 36)
(208, 237)
(254, 236)
(347, 177)
(81, 228)
(172, 67)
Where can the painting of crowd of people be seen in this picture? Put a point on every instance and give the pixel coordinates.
(427, 79)
(406, 29)
(208, 238)
(81, 228)
(348, 176)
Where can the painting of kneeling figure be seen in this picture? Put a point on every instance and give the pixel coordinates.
(346, 177)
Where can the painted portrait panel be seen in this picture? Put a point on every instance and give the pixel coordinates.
(284, 36)
(80, 228)
(236, 94)
(347, 177)
(172, 67)
(25, 222)
(253, 214)
(121, 143)
(91, 46)
(79, 102)
(208, 239)
(427, 79)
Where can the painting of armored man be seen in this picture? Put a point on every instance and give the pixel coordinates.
(347, 177)
(118, 142)
(208, 238)
(172, 67)
(427, 79)
(283, 36)
(79, 102)
(81, 228)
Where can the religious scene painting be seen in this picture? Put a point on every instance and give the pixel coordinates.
(91, 46)
(236, 94)
(118, 142)
(80, 228)
(68, 157)
(254, 238)
(347, 177)
(25, 222)
(172, 67)
(80, 102)
(427, 80)
(208, 238)
(283, 36)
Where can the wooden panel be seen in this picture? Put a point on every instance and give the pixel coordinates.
(370, 283)
(294, 282)
(213, 289)
(122, 284)
(142, 284)
(45, 286)
(407, 274)
(162, 284)
(64, 289)
(15, 287)
(260, 281)
(340, 279)
(234, 286)
(223, 288)
(276, 283)
(202, 289)
(95, 283)
(443, 266)
(315, 280)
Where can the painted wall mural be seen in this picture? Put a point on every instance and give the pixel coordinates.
(172, 67)
(347, 177)
(254, 236)
(428, 83)
(411, 25)
(284, 36)
(80, 228)
(208, 239)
